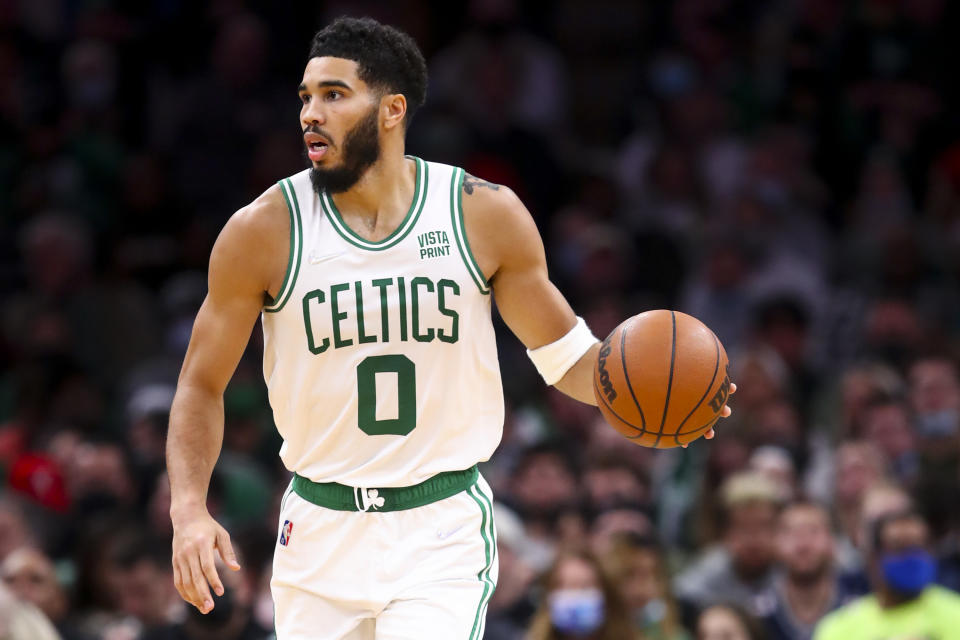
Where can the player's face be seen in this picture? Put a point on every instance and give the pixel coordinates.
(339, 117)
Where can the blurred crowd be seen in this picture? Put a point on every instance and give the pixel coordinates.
(788, 171)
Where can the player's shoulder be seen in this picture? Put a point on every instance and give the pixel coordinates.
(263, 224)
(254, 236)
(481, 197)
(493, 212)
(499, 228)
(265, 214)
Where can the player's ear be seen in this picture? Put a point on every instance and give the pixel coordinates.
(393, 107)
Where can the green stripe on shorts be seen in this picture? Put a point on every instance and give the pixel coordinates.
(490, 551)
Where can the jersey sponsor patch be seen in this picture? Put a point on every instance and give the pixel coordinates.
(434, 244)
(286, 532)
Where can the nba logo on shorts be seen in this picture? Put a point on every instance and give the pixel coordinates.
(285, 532)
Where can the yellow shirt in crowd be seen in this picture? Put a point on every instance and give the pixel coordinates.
(935, 615)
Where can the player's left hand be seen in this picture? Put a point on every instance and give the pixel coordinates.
(724, 413)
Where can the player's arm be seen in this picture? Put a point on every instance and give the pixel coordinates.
(241, 269)
(508, 248)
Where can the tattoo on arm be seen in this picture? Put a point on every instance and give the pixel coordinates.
(471, 182)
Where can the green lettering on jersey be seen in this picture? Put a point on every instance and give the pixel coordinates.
(450, 313)
(415, 285)
(362, 338)
(311, 344)
(446, 290)
(337, 316)
(406, 371)
(403, 309)
(382, 284)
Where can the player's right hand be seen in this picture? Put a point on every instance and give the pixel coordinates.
(195, 536)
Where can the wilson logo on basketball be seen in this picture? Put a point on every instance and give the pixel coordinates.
(720, 397)
(608, 390)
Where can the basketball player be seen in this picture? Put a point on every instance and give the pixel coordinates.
(373, 273)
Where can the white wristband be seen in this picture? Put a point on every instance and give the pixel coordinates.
(555, 359)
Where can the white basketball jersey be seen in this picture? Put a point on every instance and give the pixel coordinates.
(380, 357)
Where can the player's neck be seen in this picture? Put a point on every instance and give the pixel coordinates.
(387, 187)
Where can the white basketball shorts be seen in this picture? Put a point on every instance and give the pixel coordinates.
(416, 574)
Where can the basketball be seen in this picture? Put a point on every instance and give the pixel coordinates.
(661, 378)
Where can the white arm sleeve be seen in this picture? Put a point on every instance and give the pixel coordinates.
(555, 359)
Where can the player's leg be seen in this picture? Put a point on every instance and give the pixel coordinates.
(318, 592)
(299, 615)
(450, 553)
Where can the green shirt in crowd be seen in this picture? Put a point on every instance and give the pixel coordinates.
(935, 615)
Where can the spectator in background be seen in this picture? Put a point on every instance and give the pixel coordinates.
(521, 560)
(857, 466)
(607, 525)
(32, 578)
(783, 323)
(778, 423)
(725, 457)
(233, 622)
(948, 556)
(637, 564)
(543, 491)
(935, 397)
(13, 525)
(888, 424)
(859, 385)
(741, 570)
(728, 622)
(611, 480)
(740, 175)
(777, 465)
(765, 378)
(580, 602)
(718, 293)
(879, 500)
(22, 621)
(893, 330)
(807, 585)
(904, 602)
(617, 495)
(145, 582)
(100, 545)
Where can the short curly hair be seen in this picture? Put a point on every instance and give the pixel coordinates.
(387, 59)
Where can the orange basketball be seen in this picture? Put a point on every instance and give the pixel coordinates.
(661, 378)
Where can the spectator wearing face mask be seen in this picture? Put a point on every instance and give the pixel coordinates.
(905, 603)
(807, 586)
(935, 397)
(580, 603)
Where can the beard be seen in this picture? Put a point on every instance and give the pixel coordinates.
(809, 575)
(361, 148)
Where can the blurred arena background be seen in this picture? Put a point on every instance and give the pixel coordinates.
(788, 171)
